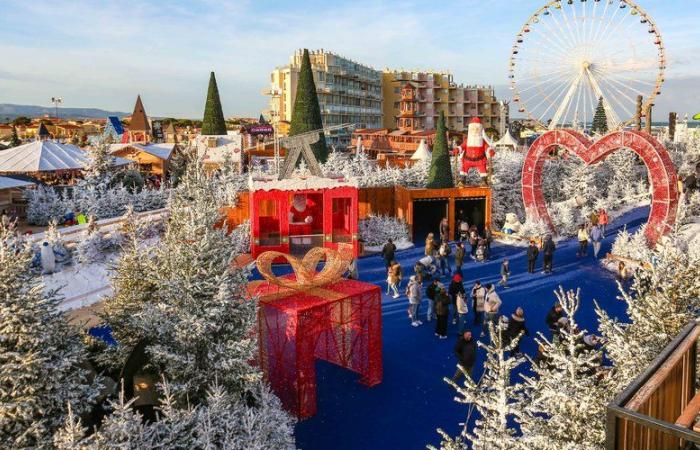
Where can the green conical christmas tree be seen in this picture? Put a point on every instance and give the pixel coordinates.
(600, 120)
(14, 140)
(213, 123)
(307, 113)
(440, 174)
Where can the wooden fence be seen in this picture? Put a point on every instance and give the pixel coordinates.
(658, 410)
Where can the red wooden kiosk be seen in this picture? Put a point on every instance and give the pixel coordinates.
(296, 214)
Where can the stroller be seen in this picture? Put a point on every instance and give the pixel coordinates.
(428, 267)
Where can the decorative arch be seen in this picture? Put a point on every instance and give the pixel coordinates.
(664, 181)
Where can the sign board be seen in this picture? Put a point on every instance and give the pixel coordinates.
(260, 129)
(157, 127)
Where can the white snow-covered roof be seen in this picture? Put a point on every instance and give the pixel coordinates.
(422, 152)
(46, 156)
(160, 151)
(507, 141)
(309, 182)
(9, 183)
(230, 145)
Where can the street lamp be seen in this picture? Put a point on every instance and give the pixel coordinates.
(275, 94)
(56, 101)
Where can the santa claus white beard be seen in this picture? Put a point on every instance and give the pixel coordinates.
(299, 202)
(474, 135)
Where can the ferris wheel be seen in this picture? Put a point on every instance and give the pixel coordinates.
(570, 54)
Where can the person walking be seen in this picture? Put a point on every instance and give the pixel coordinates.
(462, 311)
(442, 309)
(597, 239)
(532, 252)
(553, 316)
(492, 304)
(548, 248)
(583, 238)
(388, 252)
(430, 245)
(473, 239)
(478, 299)
(444, 230)
(443, 256)
(465, 350)
(431, 293)
(414, 292)
(456, 287)
(488, 237)
(603, 220)
(394, 278)
(505, 274)
(516, 327)
(459, 257)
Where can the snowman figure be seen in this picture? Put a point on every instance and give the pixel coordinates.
(48, 259)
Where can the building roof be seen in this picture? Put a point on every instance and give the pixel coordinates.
(310, 182)
(116, 124)
(139, 120)
(161, 151)
(45, 156)
(10, 183)
(507, 141)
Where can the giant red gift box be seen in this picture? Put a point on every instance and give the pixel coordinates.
(339, 322)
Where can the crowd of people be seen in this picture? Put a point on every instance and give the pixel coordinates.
(436, 291)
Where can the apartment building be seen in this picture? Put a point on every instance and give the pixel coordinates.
(435, 92)
(348, 92)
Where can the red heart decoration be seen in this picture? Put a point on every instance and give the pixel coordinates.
(664, 181)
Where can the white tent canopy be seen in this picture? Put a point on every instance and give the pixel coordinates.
(422, 152)
(507, 141)
(46, 156)
(10, 183)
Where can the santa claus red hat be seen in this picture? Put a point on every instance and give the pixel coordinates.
(475, 120)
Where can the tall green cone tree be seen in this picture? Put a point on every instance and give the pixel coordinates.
(306, 115)
(14, 140)
(440, 174)
(600, 120)
(213, 123)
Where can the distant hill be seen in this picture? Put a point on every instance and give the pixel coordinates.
(11, 111)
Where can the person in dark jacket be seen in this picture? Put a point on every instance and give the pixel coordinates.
(388, 253)
(456, 287)
(516, 326)
(532, 252)
(442, 310)
(431, 293)
(488, 237)
(459, 256)
(465, 349)
(548, 248)
(553, 317)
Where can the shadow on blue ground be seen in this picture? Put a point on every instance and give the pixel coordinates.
(404, 411)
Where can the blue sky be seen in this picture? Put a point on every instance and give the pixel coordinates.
(103, 53)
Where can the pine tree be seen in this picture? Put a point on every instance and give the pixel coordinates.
(14, 140)
(440, 174)
(40, 354)
(600, 120)
(213, 123)
(306, 115)
(494, 397)
(100, 165)
(564, 403)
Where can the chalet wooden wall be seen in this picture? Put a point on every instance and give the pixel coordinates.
(376, 201)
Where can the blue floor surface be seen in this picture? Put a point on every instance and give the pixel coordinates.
(404, 411)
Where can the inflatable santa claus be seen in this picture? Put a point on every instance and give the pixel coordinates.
(475, 152)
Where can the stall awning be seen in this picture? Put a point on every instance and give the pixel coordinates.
(45, 156)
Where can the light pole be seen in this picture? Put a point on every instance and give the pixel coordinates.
(275, 94)
(56, 101)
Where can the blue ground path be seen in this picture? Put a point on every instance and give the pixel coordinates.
(404, 411)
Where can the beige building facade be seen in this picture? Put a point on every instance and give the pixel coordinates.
(348, 92)
(437, 91)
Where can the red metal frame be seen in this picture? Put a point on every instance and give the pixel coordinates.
(282, 199)
(664, 181)
(339, 323)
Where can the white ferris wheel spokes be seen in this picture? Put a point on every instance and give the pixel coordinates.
(572, 54)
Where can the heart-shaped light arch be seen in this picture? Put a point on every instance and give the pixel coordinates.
(664, 181)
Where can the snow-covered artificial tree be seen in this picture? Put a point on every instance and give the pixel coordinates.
(632, 245)
(377, 230)
(46, 204)
(661, 301)
(55, 240)
(564, 402)
(494, 398)
(185, 285)
(222, 421)
(93, 244)
(581, 183)
(40, 353)
(100, 164)
(506, 184)
(241, 238)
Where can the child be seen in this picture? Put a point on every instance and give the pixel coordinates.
(505, 273)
